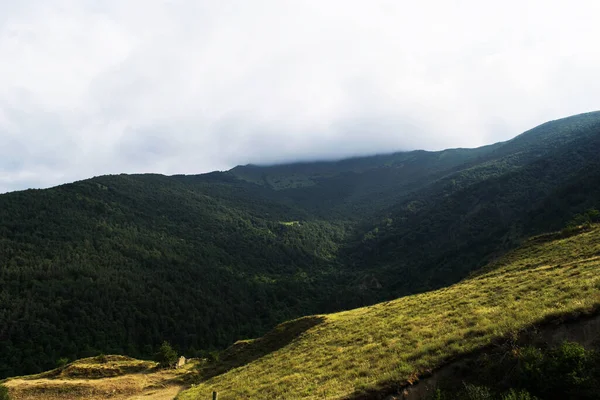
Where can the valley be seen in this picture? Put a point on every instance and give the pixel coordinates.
(376, 351)
(405, 261)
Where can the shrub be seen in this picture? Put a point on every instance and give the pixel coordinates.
(62, 362)
(518, 395)
(565, 371)
(473, 392)
(166, 356)
(101, 359)
(4, 393)
(213, 356)
(585, 219)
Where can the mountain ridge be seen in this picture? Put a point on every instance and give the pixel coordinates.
(82, 263)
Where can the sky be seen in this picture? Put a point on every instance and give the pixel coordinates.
(94, 87)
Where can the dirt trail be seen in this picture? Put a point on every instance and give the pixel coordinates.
(159, 394)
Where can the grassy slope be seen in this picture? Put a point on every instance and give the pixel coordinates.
(115, 377)
(391, 343)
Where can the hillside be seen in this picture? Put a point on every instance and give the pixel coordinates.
(376, 351)
(117, 264)
(103, 377)
(447, 229)
(374, 184)
(386, 346)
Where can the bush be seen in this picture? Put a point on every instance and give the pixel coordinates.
(101, 359)
(468, 392)
(566, 371)
(62, 362)
(584, 219)
(473, 392)
(518, 395)
(4, 393)
(213, 356)
(166, 356)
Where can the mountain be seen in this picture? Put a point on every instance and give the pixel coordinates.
(449, 227)
(500, 330)
(117, 264)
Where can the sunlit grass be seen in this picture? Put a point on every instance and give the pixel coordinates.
(103, 377)
(393, 342)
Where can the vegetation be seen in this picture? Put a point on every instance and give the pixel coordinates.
(473, 392)
(443, 232)
(61, 362)
(388, 345)
(166, 356)
(566, 371)
(102, 367)
(118, 264)
(83, 265)
(4, 393)
(114, 377)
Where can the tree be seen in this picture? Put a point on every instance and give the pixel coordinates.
(166, 356)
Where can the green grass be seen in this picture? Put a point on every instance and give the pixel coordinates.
(97, 368)
(393, 343)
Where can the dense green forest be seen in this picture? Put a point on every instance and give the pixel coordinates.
(118, 264)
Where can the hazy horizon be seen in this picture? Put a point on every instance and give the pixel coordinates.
(188, 87)
(291, 161)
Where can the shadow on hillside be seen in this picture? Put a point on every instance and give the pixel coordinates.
(245, 351)
(582, 327)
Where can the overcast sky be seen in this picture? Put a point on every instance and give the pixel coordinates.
(90, 87)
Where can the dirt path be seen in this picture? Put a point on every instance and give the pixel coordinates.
(158, 394)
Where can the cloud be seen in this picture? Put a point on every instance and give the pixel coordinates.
(89, 87)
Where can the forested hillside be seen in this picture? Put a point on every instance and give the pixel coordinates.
(378, 351)
(537, 182)
(117, 264)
